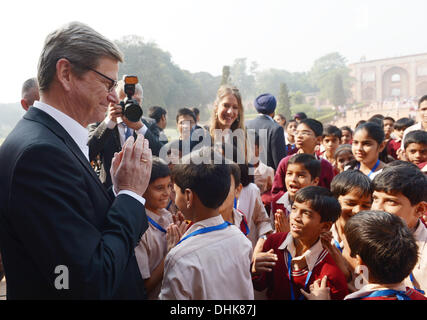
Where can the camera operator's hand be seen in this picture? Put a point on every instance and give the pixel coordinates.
(133, 125)
(114, 111)
(131, 167)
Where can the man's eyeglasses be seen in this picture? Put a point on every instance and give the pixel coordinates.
(113, 83)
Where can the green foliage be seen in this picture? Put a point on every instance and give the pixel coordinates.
(324, 72)
(297, 98)
(225, 75)
(283, 103)
(338, 93)
(164, 83)
(313, 112)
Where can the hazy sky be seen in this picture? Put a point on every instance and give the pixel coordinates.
(205, 35)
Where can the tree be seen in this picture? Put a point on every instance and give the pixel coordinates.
(225, 75)
(323, 73)
(283, 103)
(338, 93)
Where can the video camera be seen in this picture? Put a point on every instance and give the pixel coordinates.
(130, 107)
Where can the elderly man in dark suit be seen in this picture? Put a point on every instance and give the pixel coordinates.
(274, 147)
(63, 235)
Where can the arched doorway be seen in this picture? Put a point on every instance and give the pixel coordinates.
(395, 84)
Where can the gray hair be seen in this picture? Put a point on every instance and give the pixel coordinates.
(27, 87)
(80, 44)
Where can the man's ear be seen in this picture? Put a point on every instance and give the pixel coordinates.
(64, 73)
(189, 198)
(382, 145)
(319, 140)
(315, 182)
(420, 209)
(237, 190)
(326, 226)
(24, 104)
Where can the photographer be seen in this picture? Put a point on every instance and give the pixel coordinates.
(108, 136)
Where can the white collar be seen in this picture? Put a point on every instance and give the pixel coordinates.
(286, 201)
(312, 255)
(73, 128)
(372, 287)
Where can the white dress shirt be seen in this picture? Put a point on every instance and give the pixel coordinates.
(121, 127)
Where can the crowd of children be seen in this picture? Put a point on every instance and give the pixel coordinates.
(342, 217)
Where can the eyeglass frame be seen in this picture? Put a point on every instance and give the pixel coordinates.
(113, 84)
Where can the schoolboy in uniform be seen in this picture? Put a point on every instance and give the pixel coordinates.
(353, 190)
(416, 147)
(331, 139)
(212, 259)
(152, 247)
(307, 136)
(399, 128)
(382, 244)
(303, 170)
(227, 209)
(402, 190)
(292, 261)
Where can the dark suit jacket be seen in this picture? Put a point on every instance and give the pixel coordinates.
(276, 146)
(55, 211)
(106, 142)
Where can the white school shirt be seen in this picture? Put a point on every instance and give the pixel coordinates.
(420, 270)
(262, 174)
(152, 248)
(312, 256)
(372, 287)
(336, 236)
(209, 266)
(250, 203)
(79, 134)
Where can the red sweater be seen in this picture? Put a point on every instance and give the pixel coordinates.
(279, 186)
(393, 146)
(277, 281)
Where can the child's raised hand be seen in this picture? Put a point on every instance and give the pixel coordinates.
(179, 221)
(172, 236)
(264, 261)
(318, 290)
(281, 221)
(326, 239)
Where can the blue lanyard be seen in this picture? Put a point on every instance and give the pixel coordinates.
(400, 295)
(338, 245)
(156, 225)
(206, 230)
(411, 276)
(290, 278)
(373, 169)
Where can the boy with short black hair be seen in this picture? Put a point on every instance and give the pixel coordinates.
(388, 127)
(153, 247)
(331, 139)
(353, 190)
(292, 261)
(228, 208)
(307, 136)
(402, 190)
(416, 148)
(383, 244)
(212, 259)
(399, 127)
(303, 170)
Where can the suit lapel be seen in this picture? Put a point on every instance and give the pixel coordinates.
(42, 117)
